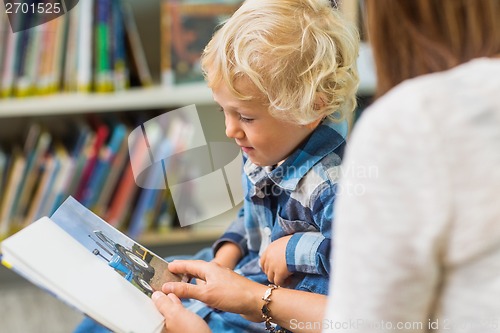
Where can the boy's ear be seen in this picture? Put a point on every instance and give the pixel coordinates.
(319, 101)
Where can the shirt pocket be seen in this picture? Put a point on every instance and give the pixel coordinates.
(289, 227)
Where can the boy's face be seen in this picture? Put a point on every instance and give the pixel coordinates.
(266, 140)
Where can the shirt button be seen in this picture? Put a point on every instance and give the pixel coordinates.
(261, 194)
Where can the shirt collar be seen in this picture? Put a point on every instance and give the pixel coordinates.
(323, 140)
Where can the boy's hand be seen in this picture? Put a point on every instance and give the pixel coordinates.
(273, 261)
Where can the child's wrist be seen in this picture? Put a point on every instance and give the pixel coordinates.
(223, 263)
(228, 255)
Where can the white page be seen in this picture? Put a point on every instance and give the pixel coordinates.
(66, 268)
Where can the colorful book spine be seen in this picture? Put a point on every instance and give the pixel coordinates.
(33, 57)
(120, 75)
(14, 179)
(71, 50)
(47, 54)
(61, 184)
(34, 165)
(84, 64)
(101, 135)
(9, 63)
(56, 64)
(114, 177)
(103, 166)
(46, 180)
(137, 50)
(26, 36)
(4, 28)
(103, 74)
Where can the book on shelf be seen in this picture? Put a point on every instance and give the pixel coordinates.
(108, 152)
(4, 164)
(139, 69)
(55, 192)
(101, 131)
(85, 262)
(4, 29)
(84, 46)
(50, 169)
(26, 83)
(13, 175)
(23, 49)
(118, 164)
(9, 49)
(103, 72)
(35, 149)
(120, 71)
(186, 28)
(73, 29)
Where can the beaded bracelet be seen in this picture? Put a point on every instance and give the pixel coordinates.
(266, 313)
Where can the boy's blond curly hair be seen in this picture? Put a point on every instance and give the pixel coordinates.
(300, 54)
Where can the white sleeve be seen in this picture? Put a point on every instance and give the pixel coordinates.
(392, 208)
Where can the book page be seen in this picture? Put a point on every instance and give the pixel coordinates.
(142, 268)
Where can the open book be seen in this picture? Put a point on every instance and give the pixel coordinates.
(93, 267)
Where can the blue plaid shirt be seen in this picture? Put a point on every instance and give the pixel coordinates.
(295, 198)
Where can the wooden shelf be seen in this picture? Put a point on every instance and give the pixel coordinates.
(156, 97)
(179, 236)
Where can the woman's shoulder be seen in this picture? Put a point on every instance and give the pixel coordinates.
(437, 97)
(477, 77)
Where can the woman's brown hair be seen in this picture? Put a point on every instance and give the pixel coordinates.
(416, 37)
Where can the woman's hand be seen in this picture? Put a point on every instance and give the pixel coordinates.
(223, 288)
(177, 318)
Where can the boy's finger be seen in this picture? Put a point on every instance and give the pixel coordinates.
(278, 280)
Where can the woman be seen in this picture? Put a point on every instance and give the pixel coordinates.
(419, 249)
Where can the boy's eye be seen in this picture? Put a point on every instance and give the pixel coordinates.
(242, 118)
(245, 120)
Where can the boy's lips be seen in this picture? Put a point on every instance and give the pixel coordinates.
(246, 149)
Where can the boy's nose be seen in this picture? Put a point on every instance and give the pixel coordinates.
(233, 131)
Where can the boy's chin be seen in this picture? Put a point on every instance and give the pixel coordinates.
(262, 163)
(256, 161)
